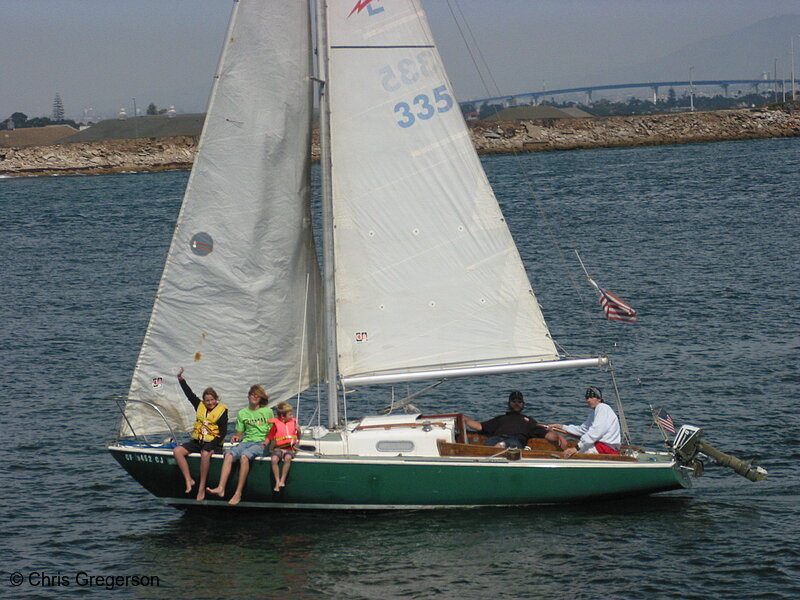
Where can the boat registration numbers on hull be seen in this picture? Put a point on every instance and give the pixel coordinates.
(149, 458)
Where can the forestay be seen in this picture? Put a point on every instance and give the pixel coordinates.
(242, 267)
(427, 274)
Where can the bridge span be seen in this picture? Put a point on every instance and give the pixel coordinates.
(724, 84)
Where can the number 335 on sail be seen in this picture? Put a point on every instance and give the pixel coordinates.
(422, 108)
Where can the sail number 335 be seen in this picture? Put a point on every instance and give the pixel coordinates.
(423, 107)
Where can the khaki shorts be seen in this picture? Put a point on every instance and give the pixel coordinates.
(282, 452)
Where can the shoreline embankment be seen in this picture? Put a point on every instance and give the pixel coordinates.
(489, 137)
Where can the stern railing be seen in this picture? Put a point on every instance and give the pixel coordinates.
(121, 402)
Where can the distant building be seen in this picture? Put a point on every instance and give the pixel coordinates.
(89, 116)
(537, 113)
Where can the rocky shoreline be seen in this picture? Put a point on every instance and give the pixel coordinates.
(641, 130)
(499, 137)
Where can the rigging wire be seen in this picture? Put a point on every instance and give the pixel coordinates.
(469, 48)
(543, 215)
(302, 345)
(526, 180)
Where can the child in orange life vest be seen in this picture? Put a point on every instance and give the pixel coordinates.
(285, 434)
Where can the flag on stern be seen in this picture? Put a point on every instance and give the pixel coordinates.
(614, 307)
(664, 421)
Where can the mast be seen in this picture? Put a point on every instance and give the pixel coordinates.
(331, 366)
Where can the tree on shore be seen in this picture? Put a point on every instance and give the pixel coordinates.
(152, 109)
(15, 121)
(488, 110)
(20, 120)
(58, 108)
(634, 106)
(45, 121)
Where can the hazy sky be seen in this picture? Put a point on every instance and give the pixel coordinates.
(103, 53)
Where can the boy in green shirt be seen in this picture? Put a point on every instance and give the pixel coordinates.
(252, 427)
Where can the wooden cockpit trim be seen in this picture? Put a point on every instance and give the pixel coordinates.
(538, 450)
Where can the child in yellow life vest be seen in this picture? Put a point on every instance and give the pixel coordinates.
(285, 433)
(210, 428)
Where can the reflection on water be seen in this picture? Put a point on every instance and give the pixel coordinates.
(422, 554)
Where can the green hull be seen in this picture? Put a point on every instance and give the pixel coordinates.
(409, 483)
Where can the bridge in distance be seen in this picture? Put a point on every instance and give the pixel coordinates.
(724, 84)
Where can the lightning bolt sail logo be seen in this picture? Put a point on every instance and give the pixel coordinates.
(361, 5)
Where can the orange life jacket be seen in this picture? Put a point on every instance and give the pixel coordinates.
(285, 433)
(205, 427)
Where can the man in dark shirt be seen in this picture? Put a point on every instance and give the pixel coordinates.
(513, 429)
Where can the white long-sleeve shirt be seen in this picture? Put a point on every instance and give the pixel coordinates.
(601, 426)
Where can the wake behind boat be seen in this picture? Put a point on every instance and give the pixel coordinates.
(420, 279)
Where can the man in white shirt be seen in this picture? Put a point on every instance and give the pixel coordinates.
(600, 433)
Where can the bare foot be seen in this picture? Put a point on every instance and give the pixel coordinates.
(235, 499)
(282, 484)
(189, 486)
(216, 491)
(277, 487)
(201, 495)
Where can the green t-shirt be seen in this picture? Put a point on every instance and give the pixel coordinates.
(253, 423)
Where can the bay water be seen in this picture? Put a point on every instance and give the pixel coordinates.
(701, 239)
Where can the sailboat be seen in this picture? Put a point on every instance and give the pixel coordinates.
(420, 278)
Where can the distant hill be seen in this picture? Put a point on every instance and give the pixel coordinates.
(156, 126)
(742, 54)
(34, 136)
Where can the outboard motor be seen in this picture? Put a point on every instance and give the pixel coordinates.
(688, 449)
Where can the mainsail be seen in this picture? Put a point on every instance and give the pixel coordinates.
(427, 274)
(239, 297)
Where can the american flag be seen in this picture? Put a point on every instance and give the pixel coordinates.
(664, 421)
(613, 306)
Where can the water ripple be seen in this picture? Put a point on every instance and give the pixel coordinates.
(702, 240)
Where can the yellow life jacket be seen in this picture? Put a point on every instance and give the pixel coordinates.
(205, 427)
